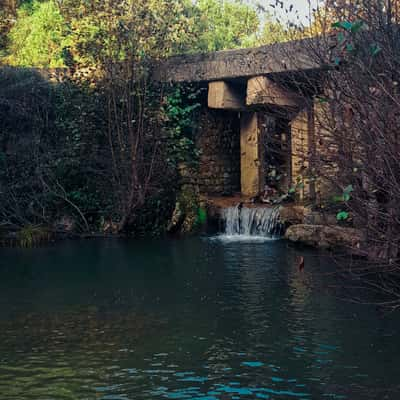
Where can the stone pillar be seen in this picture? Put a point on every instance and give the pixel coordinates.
(303, 153)
(252, 155)
(326, 151)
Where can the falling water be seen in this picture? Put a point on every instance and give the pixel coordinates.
(255, 222)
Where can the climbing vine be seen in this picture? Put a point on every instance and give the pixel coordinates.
(181, 106)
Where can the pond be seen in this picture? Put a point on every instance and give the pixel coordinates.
(198, 318)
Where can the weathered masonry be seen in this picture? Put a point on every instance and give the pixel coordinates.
(259, 125)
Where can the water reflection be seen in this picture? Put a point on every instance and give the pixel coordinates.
(194, 319)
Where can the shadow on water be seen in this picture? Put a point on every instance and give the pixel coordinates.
(189, 319)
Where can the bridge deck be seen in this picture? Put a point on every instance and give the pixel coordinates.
(243, 63)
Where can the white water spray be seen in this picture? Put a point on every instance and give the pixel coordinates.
(255, 222)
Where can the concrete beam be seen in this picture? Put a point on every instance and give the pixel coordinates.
(262, 90)
(244, 63)
(222, 95)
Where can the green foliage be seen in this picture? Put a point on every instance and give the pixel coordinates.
(152, 219)
(31, 236)
(38, 37)
(188, 201)
(345, 196)
(224, 25)
(322, 100)
(375, 49)
(348, 40)
(53, 144)
(347, 192)
(342, 24)
(342, 216)
(201, 216)
(274, 32)
(298, 186)
(73, 33)
(127, 30)
(180, 110)
(352, 27)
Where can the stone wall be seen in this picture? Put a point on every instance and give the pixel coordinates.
(300, 153)
(327, 152)
(218, 139)
(314, 152)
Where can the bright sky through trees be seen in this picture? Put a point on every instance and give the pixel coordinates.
(296, 11)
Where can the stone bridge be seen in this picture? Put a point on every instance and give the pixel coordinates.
(259, 125)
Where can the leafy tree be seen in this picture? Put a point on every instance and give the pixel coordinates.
(274, 32)
(131, 161)
(118, 38)
(7, 14)
(38, 37)
(116, 30)
(224, 24)
(78, 33)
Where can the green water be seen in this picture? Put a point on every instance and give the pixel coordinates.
(189, 319)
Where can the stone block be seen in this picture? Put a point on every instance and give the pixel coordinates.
(262, 90)
(223, 95)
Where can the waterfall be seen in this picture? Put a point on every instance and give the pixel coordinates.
(261, 222)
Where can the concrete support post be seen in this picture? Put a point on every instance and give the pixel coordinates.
(303, 153)
(252, 155)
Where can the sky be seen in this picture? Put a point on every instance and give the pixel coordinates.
(300, 9)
